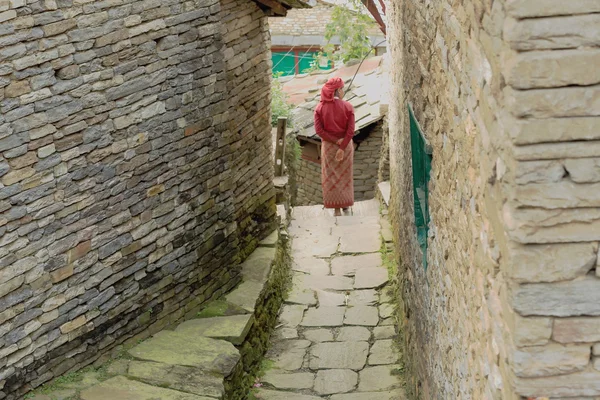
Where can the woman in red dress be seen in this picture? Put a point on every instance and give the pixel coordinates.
(334, 123)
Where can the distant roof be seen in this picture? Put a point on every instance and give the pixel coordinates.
(367, 95)
(280, 7)
(308, 21)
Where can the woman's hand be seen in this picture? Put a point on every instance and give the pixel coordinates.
(339, 156)
(339, 141)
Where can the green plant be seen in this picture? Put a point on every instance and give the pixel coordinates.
(279, 104)
(351, 27)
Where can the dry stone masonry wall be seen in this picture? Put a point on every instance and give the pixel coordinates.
(135, 171)
(506, 93)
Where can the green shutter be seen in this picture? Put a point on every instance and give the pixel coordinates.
(284, 63)
(421, 166)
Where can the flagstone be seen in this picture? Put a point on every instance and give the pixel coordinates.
(362, 297)
(353, 334)
(343, 355)
(291, 315)
(233, 328)
(386, 310)
(319, 335)
(121, 388)
(384, 332)
(383, 352)
(348, 265)
(311, 265)
(370, 278)
(361, 315)
(289, 355)
(281, 380)
(324, 316)
(377, 379)
(331, 299)
(333, 381)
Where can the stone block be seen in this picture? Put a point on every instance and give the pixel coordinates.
(583, 170)
(551, 262)
(231, 328)
(561, 299)
(552, 103)
(529, 9)
(576, 330)
(553, 33)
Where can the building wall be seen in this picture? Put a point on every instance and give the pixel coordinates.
(366, 171)
(507, 96)
(136, 171)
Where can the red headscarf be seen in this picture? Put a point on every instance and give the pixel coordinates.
(328, 91)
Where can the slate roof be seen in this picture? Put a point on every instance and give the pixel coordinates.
(308, 21)
(367, 95)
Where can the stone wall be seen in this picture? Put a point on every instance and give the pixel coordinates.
(444, 58)
(136, 171)
(506, 94)
(366, 169)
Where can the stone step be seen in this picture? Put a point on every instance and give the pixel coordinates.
(266, 394)
(176, 377)
(188, 349)
(255, 274)
(121, 388)
(232, 329)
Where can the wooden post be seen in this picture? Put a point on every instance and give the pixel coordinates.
(280, 146)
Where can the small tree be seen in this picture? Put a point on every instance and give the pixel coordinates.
(279, 105)
(352, 29)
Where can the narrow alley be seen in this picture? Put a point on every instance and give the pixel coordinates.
(336, 331)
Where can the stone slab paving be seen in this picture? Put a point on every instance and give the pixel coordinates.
(336, 336)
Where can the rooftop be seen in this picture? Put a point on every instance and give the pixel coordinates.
(308, 21)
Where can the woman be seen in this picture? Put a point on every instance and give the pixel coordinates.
(334, 123)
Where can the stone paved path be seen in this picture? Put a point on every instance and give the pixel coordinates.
(335, 338)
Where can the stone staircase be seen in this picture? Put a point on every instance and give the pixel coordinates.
(336, 332)
(214, 357)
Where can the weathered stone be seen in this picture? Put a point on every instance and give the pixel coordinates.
(561, 299)
(275, 395)
(386, 310)
(179, 348)
(551, 103)
(369, 278)
(576, 330)
(387, 395)
(301, 296)
(583, 170)
(342, 355)
(528, 9)
(324, 316)
(310, 265)
(552, 359)
(531, 331)
(539, 172)
(319, 335)
(361, 315)
(362, 298)
(330, 299)
(185, 379)
(292, 315)
(568, 385)
(384, 332)
(290, 354)
(383, 352)
(363, 239)
(302, 380)
(323, 282)
(333, 381)
(232, 328)
(348, 265)
(121, 388)
(554, 69)
(381, 378)
(552, 33)
(353, 334)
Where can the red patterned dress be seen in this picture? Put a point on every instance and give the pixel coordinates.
(334, 120)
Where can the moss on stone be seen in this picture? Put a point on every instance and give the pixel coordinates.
(219, 308)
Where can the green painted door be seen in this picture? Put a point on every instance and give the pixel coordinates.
(284, 63)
